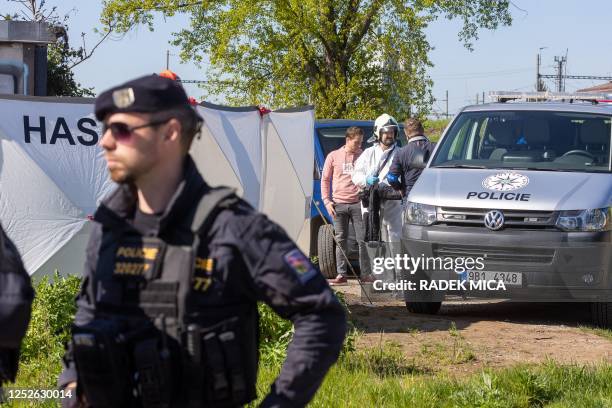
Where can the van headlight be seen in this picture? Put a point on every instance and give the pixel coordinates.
(420, 214)
(597, 219)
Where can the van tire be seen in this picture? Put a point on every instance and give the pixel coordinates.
(326, 248)
(601, 314)
(424, 307)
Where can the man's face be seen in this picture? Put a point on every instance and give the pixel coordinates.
(352, 145)
(387, 136)
(129, 156)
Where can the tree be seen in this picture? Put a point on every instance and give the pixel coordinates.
(351, 58)
(61, 57)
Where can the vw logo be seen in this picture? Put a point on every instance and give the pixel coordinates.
(507, 181)
(494, 220)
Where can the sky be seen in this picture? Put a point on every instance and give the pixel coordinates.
(504, 59)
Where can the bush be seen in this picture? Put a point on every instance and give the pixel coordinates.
(275, 334)
(52, 315)
(43, 346)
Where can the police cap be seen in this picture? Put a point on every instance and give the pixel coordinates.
(147, 94)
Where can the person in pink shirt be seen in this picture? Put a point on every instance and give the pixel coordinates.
(341, 199)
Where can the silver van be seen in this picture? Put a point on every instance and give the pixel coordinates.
(526, 187)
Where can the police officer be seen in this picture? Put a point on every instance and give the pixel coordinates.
(401, 175)
(16, 295)
(167, 313)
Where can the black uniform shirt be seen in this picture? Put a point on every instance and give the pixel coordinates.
(255, 261)
(400, 166)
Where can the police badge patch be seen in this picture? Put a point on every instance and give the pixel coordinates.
(123, 98)
(300, 265)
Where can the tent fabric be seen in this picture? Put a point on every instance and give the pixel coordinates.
(289, 160)
(237, 133)
(53, 175)
(50, 179)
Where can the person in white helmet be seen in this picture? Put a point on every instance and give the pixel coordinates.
(371, 169)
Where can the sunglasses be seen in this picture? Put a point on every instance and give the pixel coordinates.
(123, 133)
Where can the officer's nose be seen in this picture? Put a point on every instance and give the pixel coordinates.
(107, 142)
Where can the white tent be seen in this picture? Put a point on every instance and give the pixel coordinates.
(229, 150)
(53, 175)
(288, 168)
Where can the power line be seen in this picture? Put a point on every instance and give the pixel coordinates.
(561, 75)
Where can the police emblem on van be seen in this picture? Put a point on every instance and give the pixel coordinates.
(507, 181)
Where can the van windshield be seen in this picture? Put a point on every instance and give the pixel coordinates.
(538, 140)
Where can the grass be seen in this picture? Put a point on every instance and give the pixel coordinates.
(386, 379)
(605, 333)
(380, 376)
(434, 128)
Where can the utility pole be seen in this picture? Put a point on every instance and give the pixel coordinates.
(483, 97)
(538, 73)
(560, 73)
(167, 59)
(539, 83)
(476, 99)
(446, 100)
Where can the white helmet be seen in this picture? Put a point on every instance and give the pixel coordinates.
(385, 121)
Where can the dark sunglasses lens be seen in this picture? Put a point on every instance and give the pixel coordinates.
(120, 131)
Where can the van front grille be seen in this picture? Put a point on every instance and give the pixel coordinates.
(501, 255)
(525, 219)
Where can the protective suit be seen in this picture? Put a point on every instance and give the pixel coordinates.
(367, 165)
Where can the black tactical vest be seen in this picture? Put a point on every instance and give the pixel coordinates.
(168, 328)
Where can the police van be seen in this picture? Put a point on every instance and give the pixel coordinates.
(522, 187)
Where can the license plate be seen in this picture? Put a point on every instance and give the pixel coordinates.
(509, 278)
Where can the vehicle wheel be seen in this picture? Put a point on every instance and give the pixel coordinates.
(601, 313)
(423, 307)
(326, 247)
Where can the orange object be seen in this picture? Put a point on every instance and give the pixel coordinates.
(166, 73)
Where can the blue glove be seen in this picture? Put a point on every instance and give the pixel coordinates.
(393, 179)
(371, 180)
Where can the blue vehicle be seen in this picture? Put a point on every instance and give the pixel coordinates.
(329, 136)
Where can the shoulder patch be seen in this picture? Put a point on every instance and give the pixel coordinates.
(300, 264)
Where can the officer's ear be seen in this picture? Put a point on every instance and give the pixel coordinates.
(173, 130)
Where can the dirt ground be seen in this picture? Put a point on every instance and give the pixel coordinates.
(469, 335)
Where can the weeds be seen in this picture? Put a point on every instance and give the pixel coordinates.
(605, 333)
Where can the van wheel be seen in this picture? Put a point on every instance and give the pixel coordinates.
(326, 247)
(601, 313)
(423, 307)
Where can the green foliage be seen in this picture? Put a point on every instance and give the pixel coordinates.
(349, 58)
(360, 380)
(275, 334)
(61, 57)
(605, 333)
(434, 128)
(43, 347)
(386, 360)
(52, 315)
(60, 78)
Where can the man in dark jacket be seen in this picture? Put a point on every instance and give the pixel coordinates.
(401, 176)
(16, 296)
(167, 312)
